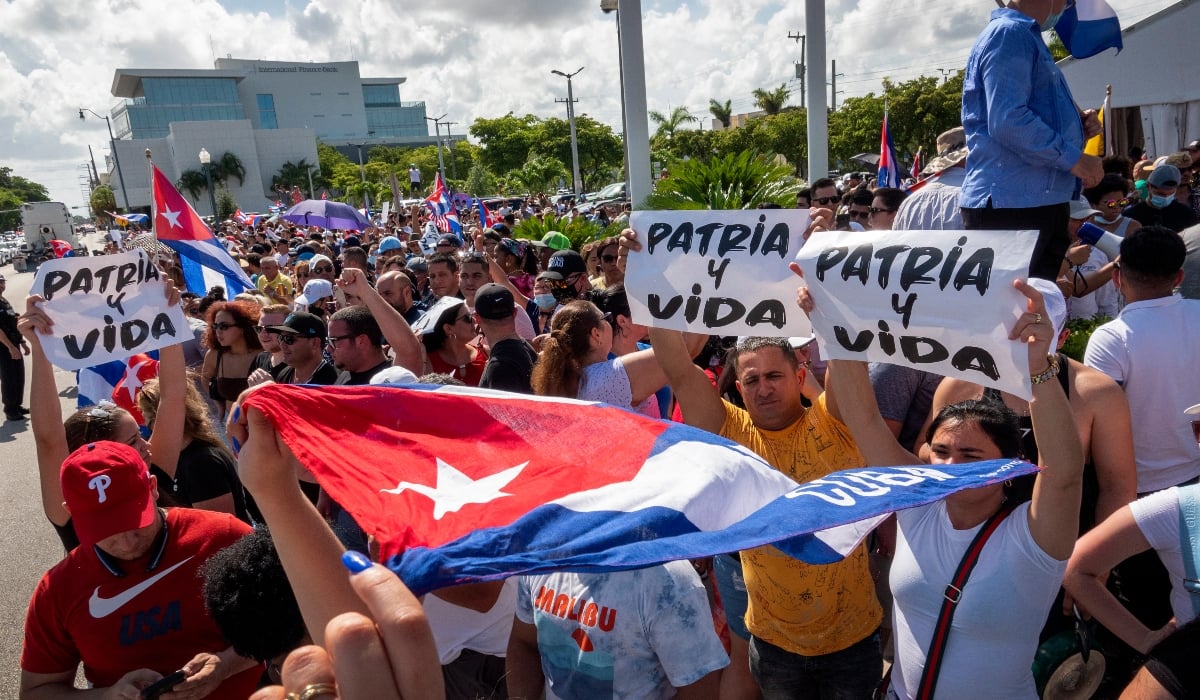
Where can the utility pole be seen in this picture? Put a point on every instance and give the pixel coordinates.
(577, 180)
(833, 76)
(362, 172)
(437, 127)
(946, 72)
(112, 142)
(450, 147)
(95, 174)
(818, 114)
(802, 40)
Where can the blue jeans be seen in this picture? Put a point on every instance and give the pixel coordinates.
(850, 674)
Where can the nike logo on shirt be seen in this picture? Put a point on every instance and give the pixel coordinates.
(103, 607)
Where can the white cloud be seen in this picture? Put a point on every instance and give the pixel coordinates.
(467, 58)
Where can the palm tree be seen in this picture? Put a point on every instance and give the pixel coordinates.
(668, 125)
(772, 101)
(291, 174)
(193, 182)
(721, 112)
(230, 166)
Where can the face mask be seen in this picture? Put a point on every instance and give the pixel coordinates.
(1107, 222)
(1051, 21)
(1161, 202)
(545, 302)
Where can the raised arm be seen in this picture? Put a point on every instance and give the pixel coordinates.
(1054, 512)
(646, 375)
(405, 344)
(166, 435)
(499, 276)
(308, 549)
(697, 399)
(45, 413)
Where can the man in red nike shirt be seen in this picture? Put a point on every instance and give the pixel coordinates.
(127, 601)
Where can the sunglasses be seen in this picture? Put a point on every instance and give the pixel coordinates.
(608, 317)
(826, 200)
(608, 258)
(464, 317)
(322, 268)
(288, 338)
(1114, 203)
(880, 210)
(224, 326)
(859, 214)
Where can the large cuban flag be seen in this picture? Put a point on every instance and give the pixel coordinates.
(1089, 27)
(462, 484)
(205, 261)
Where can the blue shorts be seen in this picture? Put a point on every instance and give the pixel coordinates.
(732, 587)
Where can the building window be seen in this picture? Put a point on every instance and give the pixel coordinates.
(266, 111)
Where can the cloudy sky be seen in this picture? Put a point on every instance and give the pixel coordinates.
(467, 58)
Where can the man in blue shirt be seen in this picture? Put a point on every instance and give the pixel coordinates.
(1024, 132)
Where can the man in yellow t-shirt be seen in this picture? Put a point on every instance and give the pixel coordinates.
(274, 283)
(813, 628)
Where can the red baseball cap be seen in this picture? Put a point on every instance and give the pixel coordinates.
(108, 489)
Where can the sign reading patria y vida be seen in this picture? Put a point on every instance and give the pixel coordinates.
(106, 308)
(717, 272)
(940, 301)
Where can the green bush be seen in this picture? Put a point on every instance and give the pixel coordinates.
(1081, 330)
(736, 181)
(579, 230)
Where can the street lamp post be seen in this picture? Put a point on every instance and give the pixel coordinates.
(578, 181)
(113, 144)
(206, 165)
(450, 148)
(437, 127)
(311, 193)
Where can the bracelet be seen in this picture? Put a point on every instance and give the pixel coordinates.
(1048, 373)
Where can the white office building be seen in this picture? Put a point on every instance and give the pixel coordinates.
(264, 112)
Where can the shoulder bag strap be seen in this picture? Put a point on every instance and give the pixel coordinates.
(953, 593)
(1189, 530)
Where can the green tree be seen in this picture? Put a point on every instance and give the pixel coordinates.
(505, 142)
(735, 181)
(579, 230)
(786, 134)
(295, 175)
(668, 124)
(480, 182)
(193, 182)
(538, 174)
(772, 101)
(101, 202)
(229, 167)
(600, 148)
(14, 191)
(721, 111)
(226, 204)
(10, 214)
(1058, 50)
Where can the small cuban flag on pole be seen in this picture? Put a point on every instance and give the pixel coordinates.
(1089, 27)
(889, 169)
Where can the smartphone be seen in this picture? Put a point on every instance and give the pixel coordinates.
(164, 685)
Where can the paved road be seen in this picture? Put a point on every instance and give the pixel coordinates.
(28, 545)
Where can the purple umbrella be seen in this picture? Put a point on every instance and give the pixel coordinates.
(327, 214)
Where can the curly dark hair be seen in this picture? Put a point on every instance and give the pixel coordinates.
(248, 595)
(245, 315)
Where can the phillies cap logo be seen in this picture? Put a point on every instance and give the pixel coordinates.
(100, 484)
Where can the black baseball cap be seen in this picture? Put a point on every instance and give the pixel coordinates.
(566, 263)
(303, 324)
(494, 302)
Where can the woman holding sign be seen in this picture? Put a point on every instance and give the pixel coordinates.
(55, 439)
(999, 610)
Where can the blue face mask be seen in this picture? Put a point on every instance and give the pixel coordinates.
(1161, 202)
(545, 302)
(1052, 20)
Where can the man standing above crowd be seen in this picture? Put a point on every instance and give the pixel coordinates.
(1024, 132)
